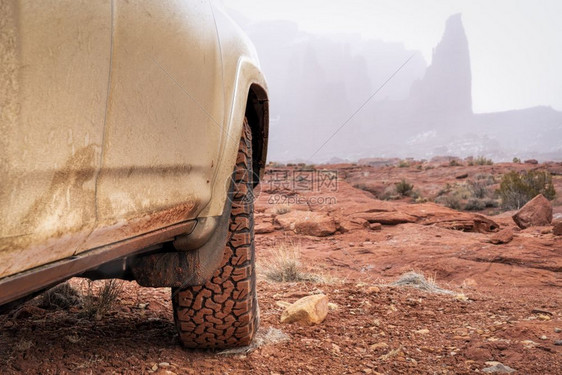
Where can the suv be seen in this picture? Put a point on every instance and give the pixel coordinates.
(132, 136)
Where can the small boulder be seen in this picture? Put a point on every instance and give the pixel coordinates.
(501, 237)
(308, 310)
(537, 212)
(557, 230)
(375, 226)
(532, 161)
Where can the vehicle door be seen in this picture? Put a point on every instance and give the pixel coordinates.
(164, 120)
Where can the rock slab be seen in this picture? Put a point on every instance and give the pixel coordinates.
(537, 212)
(309, 223)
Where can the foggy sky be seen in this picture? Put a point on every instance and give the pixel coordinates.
(515, 45)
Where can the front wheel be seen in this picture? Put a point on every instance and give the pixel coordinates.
(223, 313)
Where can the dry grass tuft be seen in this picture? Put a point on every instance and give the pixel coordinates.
(282, 209)
(284, 265)
(97, 304)
(415, 280)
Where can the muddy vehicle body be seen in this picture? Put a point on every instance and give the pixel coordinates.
(132, 135)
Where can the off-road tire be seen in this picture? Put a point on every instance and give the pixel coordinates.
(223, 313)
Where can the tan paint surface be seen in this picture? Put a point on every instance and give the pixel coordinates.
(165, 114)
(54, 70)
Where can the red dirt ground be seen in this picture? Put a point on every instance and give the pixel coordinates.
(505, 305)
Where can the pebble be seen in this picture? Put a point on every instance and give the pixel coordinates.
(373, 290)
(164, 365)
(558, 342)
(557, 330)
(543, 337)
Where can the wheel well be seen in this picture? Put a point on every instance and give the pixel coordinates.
(257, 113)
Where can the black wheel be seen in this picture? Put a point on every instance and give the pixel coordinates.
(223, 313)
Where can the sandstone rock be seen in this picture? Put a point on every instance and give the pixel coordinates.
(557, 230)
(308, 310)
(531, 161)
(434, 214)
(387, 218)
(461, 176)
(375, 226)
(309, 223)
(264, 227)
(362, 222)
(353, 224)
(501, 237)
(537, 212)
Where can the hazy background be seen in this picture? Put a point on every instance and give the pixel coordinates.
(483, 77)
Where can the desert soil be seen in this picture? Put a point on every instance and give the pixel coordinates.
(503, 301)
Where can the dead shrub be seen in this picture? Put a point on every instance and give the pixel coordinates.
(97, 304)
(62, 296)
(450, 200)
(475, 204)
(480, 186)
(285, 265)
(282, 209)
(416, 280)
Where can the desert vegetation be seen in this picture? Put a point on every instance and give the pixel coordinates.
(404, 188)
(475, 194)
(285, 265)
(517, 188)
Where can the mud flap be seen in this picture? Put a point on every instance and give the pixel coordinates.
(177, 269)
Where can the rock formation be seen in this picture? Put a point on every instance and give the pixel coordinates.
(446, 89)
